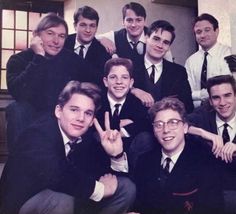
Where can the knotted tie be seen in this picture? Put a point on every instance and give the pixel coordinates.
(134, 45)
(152, 75)
(225, 134)
(204, 71)
(81, 51)
(167, 166)
(73, 146)
(116, 118)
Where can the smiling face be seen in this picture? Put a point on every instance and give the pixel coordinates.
(157, 45)
(223, 100)
(76, 116)
(118, 82)
(133, 24)
(205, 34)
(53, 39)
(171, 140)
(85, 30)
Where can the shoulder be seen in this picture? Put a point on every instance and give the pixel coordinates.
(120, 32)
(24, 55)
(194, 56)
(174, 66)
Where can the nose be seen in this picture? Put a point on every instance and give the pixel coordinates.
(80, 116)
(87, 29)
(56, 39)
(165, 128)
(222, 102)
(118, 81)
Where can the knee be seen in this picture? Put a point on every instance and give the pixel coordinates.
(127, 189)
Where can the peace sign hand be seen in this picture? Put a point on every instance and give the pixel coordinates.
(110, 139)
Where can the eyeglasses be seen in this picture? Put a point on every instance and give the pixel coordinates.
(171, 124)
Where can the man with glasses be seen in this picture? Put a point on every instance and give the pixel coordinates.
(177, 175)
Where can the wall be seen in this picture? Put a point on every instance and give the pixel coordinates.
(111, 18)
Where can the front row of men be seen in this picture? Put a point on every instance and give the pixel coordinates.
(59, 166)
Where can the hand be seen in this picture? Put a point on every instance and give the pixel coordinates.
(108, 44)
(36, 44)
(110, 139)
(144, 96)
(110, 184)
(125, 122)
(227, 152)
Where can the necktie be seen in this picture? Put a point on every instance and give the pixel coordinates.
(115, 117)
(204, 71)
(152, 75)
(81, 51)
(167, 166)
(73, 146)
(134, 45)
(225, 134)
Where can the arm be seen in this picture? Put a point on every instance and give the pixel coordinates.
(145, 97)
(108, 41)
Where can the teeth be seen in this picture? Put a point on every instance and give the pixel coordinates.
(168, 138)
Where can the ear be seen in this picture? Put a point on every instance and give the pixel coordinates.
(105, 81)
(131, 83)
(74, 24)
(91, 123)
(217, 31)
(57, 111)
(185, 128)
(210, 101)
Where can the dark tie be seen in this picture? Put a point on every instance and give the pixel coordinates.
(116, 118)
(73, 146)
(225, 134)
(81, 51)
(134, 45)
(204, 71)
(167, 166)
(152, 75)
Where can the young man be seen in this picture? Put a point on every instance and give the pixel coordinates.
(36, 76)
(157, 76)
(84, 42)
(220, 119)
(172, 178)
(207, 61)
(129, 42)
(58, 166)
(127, 114)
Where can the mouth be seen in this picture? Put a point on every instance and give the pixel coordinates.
(169, 138)
(77, 127)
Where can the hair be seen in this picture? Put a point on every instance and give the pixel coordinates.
(168, 103)
(50, 20)
(87, 12)
(163, 25)
(85, 88)
(209, 18)
(127, 63)
(217, 80)
(136, 7)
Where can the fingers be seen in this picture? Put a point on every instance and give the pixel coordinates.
(97, 126)
(107, 121)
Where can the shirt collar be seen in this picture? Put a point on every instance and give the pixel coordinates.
(141, 39)
(112, 102)
(220, 122)
(64, 136)
(213, 50)
(173, 158)
(77, 44)
(148, 64)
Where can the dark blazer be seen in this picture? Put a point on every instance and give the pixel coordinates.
(192, 186)
(205, 117)
(39, 80)
(96, 56)
(40, 163)
(132, 109)
(174, 82)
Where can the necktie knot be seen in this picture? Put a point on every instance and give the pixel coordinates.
(73, 144)
(117, 106)
(225, 133)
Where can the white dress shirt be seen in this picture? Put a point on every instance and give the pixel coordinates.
(77, 47)
(158, 68)
(173, 158)
(231, 128)
(216, 65)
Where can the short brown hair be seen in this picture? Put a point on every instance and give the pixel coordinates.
(85, 88)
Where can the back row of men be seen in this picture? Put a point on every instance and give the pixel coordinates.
(35, 78)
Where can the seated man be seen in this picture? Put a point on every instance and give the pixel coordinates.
(172, 178)
(127, 113)
(220, 118)
(58, 166)
(36, 76)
